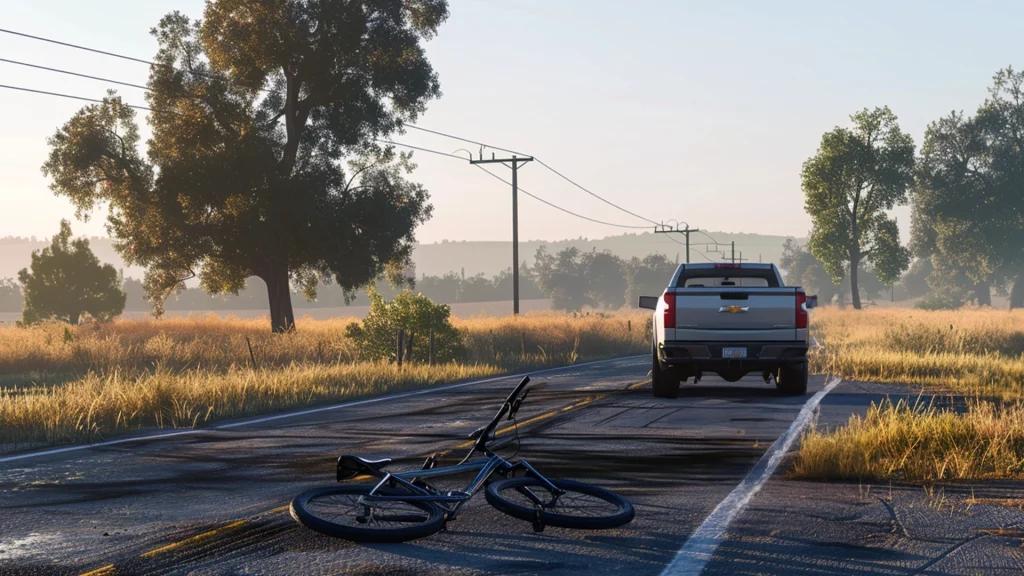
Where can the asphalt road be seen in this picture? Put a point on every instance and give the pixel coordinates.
(215, 502)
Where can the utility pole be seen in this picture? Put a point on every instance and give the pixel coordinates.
(733, 251)
(515, 161)
(663, 229)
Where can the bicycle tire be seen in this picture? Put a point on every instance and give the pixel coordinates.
(619, 510)
(308, 509)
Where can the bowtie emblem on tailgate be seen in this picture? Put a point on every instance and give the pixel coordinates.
(734, 309)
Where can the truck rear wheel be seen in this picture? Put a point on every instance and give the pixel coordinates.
(664, 380)
(792, 380)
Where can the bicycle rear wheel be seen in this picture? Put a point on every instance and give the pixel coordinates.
(341, 511)
(582, 506)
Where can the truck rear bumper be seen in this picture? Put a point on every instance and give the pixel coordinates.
(708, 356)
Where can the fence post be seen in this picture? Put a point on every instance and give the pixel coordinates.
(430, 351)
(401, 347)
(252, 356)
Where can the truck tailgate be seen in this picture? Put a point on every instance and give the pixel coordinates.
(759, 313)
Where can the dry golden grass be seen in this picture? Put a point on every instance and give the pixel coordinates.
(68, 385)
(919, 443)
(971, 351)
(977, 353)
(213, 342)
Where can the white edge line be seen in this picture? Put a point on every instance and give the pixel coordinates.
(700, 547)
(263, 419)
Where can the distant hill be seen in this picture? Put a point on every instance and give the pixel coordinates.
(493, 257)
(488, 258)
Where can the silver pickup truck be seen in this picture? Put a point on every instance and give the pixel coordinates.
(731, 320)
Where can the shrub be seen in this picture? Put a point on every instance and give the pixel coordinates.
(939, 301)
(417, 315)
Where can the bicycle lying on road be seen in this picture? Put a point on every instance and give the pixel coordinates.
(404, 506)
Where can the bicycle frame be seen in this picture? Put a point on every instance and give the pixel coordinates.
(452, 500)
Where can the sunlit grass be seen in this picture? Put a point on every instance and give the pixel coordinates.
(977, 354)
(918, 443)
(62, 385)
(972, 351)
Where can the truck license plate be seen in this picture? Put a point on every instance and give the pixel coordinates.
(734, 352)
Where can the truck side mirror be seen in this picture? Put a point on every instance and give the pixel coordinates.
(649, 302)
(812, 302)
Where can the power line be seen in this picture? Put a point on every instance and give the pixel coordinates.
(437, 132)
(467, 140)
(699, 253)
(106, 53)
(539, 161)
(438, 152)
(70, 96)
(70, 73)
(608, 202)
(534, 196)
(76, 46)
(557, 207)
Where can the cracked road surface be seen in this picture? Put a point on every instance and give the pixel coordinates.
(215, 502)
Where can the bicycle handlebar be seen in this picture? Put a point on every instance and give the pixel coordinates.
(482, 435)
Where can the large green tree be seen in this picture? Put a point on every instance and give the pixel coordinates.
(952, 206)
(1001, 120)
(66, 282)
(264, 159)
(858, 174)
(647, 276)
(968, 204)
(562, 277)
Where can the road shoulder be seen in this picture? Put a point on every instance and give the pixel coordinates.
(795, 527)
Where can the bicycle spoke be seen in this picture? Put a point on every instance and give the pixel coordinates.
(569, 503)
(353, 509)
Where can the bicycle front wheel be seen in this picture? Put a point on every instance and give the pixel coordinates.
(346, 511)
(581, 506)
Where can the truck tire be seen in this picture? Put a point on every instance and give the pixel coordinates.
(664, 380)
(792, 380)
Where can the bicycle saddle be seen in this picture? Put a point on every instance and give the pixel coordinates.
(351, 466)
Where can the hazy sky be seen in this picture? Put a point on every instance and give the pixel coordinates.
(695, 111)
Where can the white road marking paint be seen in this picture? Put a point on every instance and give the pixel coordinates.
(701, 545)
(263, 419)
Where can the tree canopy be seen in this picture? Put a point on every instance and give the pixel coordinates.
(859, 174)
(968, 209)
(66, 282)
(264, 159)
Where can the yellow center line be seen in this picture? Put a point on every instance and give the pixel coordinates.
(104, 571)
(110, 569)
(196, 538)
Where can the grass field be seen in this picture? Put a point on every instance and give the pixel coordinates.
(969, 351)
(62, 384)
(974, 354)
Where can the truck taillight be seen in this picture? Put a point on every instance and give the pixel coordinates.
(670, 309)
(801, 310)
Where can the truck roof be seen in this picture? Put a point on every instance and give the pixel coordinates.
(713, 265)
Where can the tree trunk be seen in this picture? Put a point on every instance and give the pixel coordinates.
(854, 288)
(983, 294)
(282, 318)
(1017, 293)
